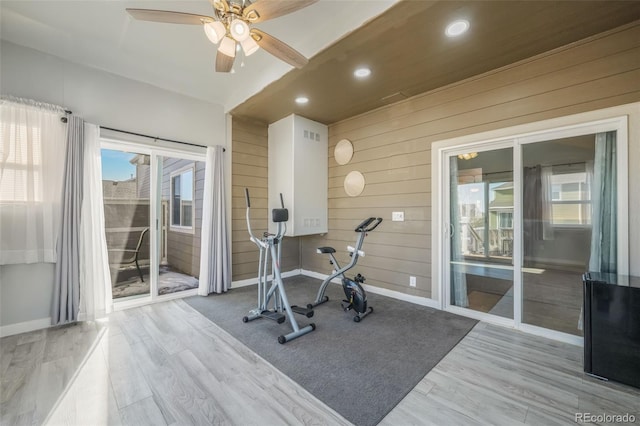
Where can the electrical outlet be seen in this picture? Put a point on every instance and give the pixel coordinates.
(412, 281)
(397, 216)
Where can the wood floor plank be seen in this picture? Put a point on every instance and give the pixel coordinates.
(176, 392)
(20, 382)
(53, 378)
(161, 328)
(166, 364)
(88, 398)
(145, 411)
(230, 400)
(129, 384)
(477, 402)
(495, 372)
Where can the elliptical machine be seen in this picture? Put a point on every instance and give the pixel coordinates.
(270, 246)
(356, 297)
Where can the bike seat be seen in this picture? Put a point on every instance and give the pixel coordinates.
(326, 250)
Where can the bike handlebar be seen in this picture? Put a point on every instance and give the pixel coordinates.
(369, 224)
(246, 197)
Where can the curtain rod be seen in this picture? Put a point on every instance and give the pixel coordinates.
(156, 138)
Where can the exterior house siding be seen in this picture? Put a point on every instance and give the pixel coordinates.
(183, 248)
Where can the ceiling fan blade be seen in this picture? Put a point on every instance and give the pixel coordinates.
(263, 10)
(169, 17)
(279, 49)
(224, 63)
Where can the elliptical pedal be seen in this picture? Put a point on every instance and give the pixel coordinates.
(307, 312)
(274, 316)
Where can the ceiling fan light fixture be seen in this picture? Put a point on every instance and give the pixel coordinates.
(468, 155)
(228, 47)
(249, 46)
(239, 29)
(215, 31)
(457, 28)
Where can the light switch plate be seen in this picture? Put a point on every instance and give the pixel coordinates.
(397, 216)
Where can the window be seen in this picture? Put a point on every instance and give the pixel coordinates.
(182, 210)
(505, 220)
(570, 199)
(32, 150)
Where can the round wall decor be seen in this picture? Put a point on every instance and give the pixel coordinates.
(343, 152)
(354, 183)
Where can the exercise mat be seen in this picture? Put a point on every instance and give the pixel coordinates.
(361, 370)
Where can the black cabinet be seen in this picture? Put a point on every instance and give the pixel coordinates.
(612, 327)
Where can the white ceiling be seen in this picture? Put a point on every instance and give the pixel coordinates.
(179, 58)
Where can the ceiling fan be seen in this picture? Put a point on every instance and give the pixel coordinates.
(232, 24)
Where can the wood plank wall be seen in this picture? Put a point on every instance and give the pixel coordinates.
(249, 170)
(393, 146)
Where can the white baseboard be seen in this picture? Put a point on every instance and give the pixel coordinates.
(23, 327)
(252, 281)
(318, 275)
(423, 301)
(417, 300)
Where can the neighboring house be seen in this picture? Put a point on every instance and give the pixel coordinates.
(182, 192)
(501, 220)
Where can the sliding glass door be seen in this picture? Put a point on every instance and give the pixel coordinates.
(181, 192)
(153, 219)
(481, 231)
(127, 213)
(569, 225)
(525, 217)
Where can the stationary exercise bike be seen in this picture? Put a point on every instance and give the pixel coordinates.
(270, 246)
(356, 297)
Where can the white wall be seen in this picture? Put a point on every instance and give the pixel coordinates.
(100, 98)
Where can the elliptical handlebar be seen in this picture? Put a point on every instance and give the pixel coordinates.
(282, 227)
(248, 200)
(369, 224)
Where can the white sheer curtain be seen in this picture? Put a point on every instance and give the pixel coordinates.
(215, 257)
(95, 280)
(32, 151)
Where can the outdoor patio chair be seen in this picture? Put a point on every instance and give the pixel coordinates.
(132, 254)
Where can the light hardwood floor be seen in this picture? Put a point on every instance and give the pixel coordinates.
(167, 364)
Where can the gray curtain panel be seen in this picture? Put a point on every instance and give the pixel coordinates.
(66, 295)
(215, 260)
(604, 206)
(532, 210)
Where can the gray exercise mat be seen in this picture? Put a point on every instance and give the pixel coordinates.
(361, 370)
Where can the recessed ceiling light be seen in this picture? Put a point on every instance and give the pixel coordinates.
(457, 28)
(301, 100)
(362, 72)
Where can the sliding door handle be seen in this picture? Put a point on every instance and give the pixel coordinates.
(448, 230)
